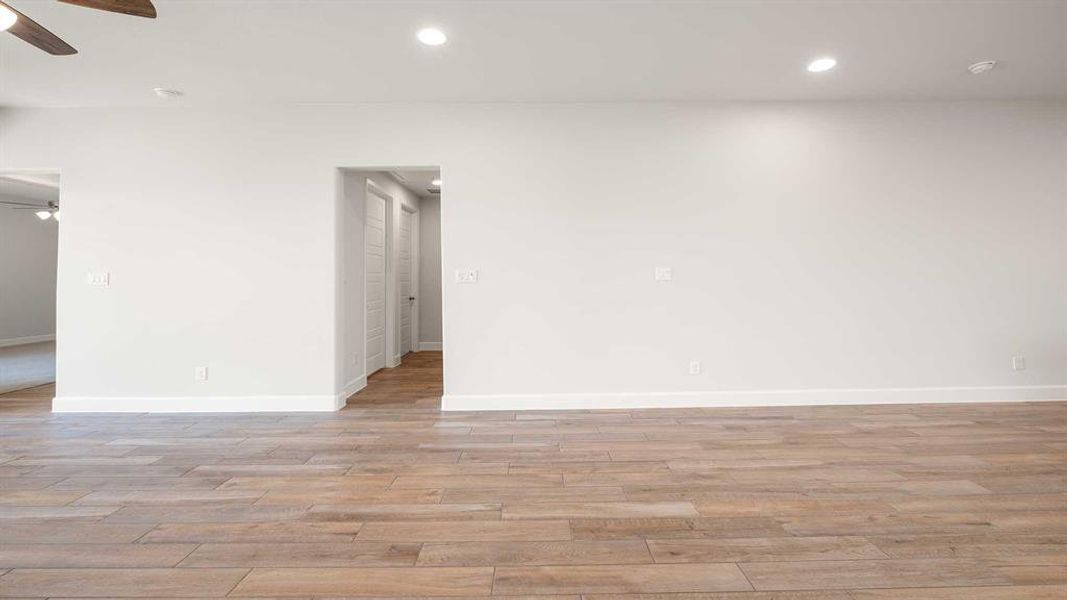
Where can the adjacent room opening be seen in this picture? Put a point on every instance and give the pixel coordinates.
(29, 241)
(390, 246)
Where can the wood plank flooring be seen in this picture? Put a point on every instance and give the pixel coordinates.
(392, 499)
(415, 383)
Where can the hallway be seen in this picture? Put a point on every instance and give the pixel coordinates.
(417, 383)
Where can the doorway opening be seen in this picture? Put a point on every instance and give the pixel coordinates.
(390, 259)
(29, 228)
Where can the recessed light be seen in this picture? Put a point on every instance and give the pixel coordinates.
(8, 17)
(436, 182)
(167, 93)
(432, 36)
(982, 67)
(820, 65)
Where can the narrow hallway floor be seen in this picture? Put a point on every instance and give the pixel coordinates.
(417, 383)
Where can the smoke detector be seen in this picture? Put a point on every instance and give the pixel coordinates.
(168, 93)
(981, 67)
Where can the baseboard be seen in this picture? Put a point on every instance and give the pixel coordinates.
(196, 404)
(32, 339)
(742, 398)
(454, 402)
(429, 346)
(350, 388)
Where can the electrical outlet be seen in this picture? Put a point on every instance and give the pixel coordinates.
(1018, 363)
(694, 367)
(664, 274)
(200, 374)
(99, 279)
(466, 275)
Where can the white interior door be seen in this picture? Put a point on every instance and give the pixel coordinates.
(404, 281)
(375, 284)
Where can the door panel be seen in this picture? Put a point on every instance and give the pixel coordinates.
(375, 282)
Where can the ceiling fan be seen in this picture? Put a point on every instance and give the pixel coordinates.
(28, 30)
(44, 212)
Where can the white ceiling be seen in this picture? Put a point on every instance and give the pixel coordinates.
(343, 51)
(418, 181)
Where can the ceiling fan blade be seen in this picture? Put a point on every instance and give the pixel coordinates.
(28, 30)
(137, 8)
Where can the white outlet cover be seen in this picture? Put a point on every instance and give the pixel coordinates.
(99, 278)
(466, 275)
(694, 367)
(200, 374)
(664, 274)
(1018, 363)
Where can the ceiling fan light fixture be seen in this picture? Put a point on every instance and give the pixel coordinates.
(43, 215)
(8, 17)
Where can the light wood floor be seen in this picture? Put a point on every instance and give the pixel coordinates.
(417, 382)
(834, 503)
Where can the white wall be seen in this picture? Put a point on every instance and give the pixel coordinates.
(821, 252)
(430, 273)
(351, 359)
(28, 249)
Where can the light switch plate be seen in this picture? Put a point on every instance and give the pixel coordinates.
(466, 275)
(664, 274)
(99, 278)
